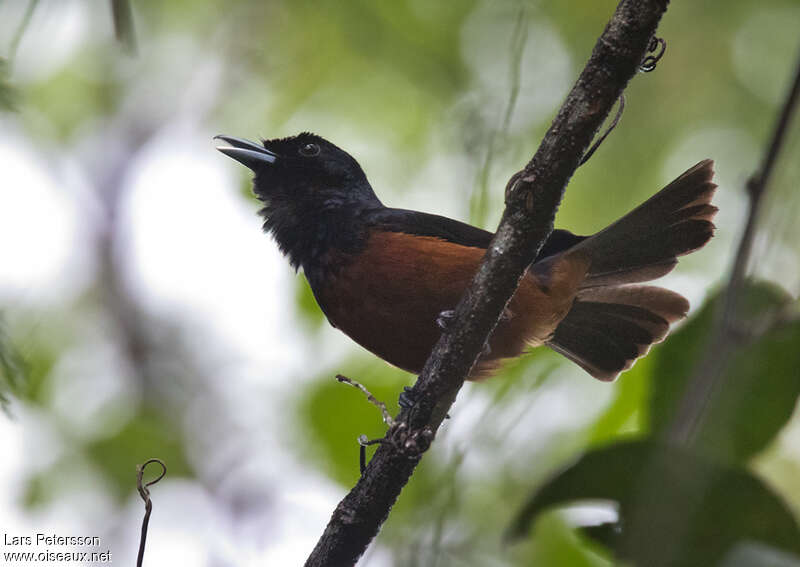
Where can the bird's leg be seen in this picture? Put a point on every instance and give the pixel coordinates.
(363, 443)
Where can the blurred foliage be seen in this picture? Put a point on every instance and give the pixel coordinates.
(306, 305)
(626, 414)
(561, 545)
(8, 95)
(726, 505)
(26, 374)
(11, 369)
(441, 102)
(148, 434)
(663, 484)
(87, 93)
(759, 555)
(479, 201)
(761, 382)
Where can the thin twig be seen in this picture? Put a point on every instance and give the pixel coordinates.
(519, 38)
(756, 189)
(387, 417)
(148, 504)
(706, 378)
(122, 15)
(531, 204)
(604, 135)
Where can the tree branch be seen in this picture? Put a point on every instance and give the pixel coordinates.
(532, 197)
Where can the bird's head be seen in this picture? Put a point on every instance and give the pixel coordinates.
(313, 192)
(305, 171)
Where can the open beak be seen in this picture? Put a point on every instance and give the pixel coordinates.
(245, 152)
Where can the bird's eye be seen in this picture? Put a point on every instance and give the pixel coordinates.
(309, 150)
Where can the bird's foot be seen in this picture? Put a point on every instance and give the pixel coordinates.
(445, 318)
(407, 399)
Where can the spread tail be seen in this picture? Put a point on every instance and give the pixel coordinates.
(612, 323)
(645, 244)
(608, 328)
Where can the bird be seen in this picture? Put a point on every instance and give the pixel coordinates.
(390, 278)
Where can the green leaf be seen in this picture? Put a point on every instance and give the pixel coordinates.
(676, 507)
(624, 415)
(758, 396)
(759, 383)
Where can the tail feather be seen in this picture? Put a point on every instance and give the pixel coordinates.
(645, 244)
(612, 323)
(607, 329)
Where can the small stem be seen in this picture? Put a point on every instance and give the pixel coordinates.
(708, 373)
(148, 504)
(756, 189)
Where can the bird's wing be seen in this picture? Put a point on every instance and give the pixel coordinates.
(425, 224)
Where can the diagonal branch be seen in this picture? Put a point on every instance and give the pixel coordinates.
(708, 376)
(532, 197)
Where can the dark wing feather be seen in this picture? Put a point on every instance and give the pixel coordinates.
(424, 224)
(457, 232)
(558, 241)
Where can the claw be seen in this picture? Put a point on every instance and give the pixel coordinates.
(445, 318)
(406, 400)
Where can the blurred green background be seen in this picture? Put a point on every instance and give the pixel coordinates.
(143, 314)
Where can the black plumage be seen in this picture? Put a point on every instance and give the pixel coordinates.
(383, 275)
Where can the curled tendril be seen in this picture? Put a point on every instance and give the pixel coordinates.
(148, 504)
(656, 49)
(590, 151)
(142, 488)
